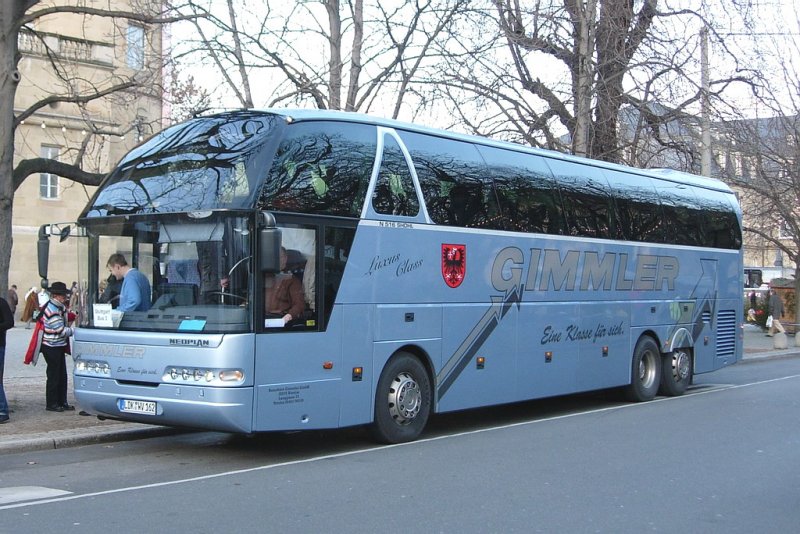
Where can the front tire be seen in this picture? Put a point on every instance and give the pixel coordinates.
(402, 400)
(676, 373)
(645, 371)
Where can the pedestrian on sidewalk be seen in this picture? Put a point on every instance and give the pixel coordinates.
(31, 305)
(55, 345)
(6, 322)
(13, 299)
(776, 312)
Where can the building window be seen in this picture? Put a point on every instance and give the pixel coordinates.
(785, 231)
(48, 183)
(135, 42)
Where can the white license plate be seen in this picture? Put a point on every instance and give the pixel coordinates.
(137, 406)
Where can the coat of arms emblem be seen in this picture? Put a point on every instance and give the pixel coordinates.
(454, 264)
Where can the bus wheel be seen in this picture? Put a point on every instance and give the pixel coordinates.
(402, 400)
(676, 373)
(645, 371)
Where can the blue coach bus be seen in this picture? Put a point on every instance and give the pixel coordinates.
(418, 271)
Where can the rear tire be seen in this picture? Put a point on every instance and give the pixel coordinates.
(676, 373)
(645, 371)
(402, 400)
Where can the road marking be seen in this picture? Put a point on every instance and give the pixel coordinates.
(28, 493)
(384, 447)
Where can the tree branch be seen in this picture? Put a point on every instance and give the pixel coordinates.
(27, 167)
(78, 99)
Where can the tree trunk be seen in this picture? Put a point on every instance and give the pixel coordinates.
(10, 15)
(612, 33)
(583, 75)
(355, 61)
(335, 63)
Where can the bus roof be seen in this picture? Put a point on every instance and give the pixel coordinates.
(297, 115)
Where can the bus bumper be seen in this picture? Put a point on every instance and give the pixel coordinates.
(218, 409)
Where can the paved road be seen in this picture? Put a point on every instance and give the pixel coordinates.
(720, 459)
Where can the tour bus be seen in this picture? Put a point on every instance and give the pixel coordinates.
(417, 271)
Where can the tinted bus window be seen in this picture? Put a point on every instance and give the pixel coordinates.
(682, 214)
(394, 191)
(528, 197)
(637, 207)
(586, 197)
(721, 226)
(321, 168)
(454, 181)
(201, 164)
(338, 241)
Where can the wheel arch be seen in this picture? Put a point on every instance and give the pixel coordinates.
(680, 339)
(652, 335)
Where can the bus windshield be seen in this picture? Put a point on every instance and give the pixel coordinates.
(205, 163)
(199, 271)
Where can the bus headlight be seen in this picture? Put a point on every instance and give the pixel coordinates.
(92, 367)
(195, 375)
(231, 375)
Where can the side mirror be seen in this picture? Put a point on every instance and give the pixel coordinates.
(43, 250)
(269, 245)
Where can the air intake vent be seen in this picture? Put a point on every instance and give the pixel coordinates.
(726, 333)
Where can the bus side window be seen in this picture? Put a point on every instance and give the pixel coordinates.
(322, 168)
(394, 191)
(683, 212)
(299, 245)
(338, 241)
(637, 207)
(586, 196)
(454, 181)
(528, 198)
(721, 227)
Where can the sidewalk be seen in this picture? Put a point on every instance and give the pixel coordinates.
(33, 428)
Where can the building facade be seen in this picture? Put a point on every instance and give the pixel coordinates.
(759, 158)
(68, 58)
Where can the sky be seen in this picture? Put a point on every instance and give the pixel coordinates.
(771, 41)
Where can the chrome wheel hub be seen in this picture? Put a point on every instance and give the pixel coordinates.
(681, 366)
(405, 399)
(647, 369)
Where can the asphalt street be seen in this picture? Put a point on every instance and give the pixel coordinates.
(718, 459)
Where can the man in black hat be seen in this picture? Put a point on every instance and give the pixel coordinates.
(54, 347)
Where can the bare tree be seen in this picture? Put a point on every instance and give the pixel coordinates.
(559, 74)
(760, 156)
(19, 22)
(354, 56)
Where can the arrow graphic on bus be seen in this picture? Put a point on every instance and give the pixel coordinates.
(707, 282)
(474, 340)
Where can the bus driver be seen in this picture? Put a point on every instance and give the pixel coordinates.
(135, 291)
(283, 294)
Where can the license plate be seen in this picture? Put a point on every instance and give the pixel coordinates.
(137, 406)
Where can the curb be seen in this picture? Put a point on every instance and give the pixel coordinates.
(90, 436)
(770, 355)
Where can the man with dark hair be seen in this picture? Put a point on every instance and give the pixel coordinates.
(6, 322)
(135, 292)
